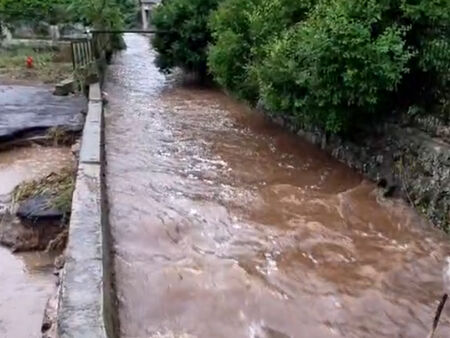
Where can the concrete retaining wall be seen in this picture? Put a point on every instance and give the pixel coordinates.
(403, 158)
(86, 300)
(24, 29)
(25, 34)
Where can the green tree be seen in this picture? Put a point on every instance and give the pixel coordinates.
(32, 10)
(429, 38)
(241, 29)
(336, 64)
(99, 14)
(107, 13)
(129, 10)
(229, 55)
(338, 67)
(182, 34)
(103, 15)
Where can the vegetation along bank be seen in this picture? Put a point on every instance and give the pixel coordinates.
(366, 80)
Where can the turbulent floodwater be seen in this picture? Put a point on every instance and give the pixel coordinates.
(26, 280)
(26, 283)
(227, 226)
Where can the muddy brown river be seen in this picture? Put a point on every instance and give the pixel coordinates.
(26, 279)
(226, 225)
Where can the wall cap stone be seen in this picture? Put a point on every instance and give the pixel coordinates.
(81, 299)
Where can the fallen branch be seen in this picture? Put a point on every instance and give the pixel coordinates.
(438, 315)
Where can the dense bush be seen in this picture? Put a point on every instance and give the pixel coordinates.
(111, 12)
(334, 68)
(98, 14)
(229, 56)
(430, 32)
(351, 59)
(104, 15)
(182, 33)
(130, 11)
(429, 38)
(336, 64)
(33, 10)
(240, 31)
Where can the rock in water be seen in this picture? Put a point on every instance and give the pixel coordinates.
(36, 227)
(64, 87)
(38, 208)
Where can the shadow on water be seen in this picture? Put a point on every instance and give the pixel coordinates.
(225, 225)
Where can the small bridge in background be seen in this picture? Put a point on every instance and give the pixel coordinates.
(86, 50)
(146, 9)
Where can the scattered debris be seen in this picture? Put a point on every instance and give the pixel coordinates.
(65, 87)
(56, 189)
(60, 136)
(57, 245)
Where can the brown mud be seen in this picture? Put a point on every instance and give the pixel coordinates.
(26, 279)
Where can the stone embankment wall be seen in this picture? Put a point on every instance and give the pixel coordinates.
(39, 35)
(86, 301)
(411, 159)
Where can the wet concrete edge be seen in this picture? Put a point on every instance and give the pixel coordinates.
(87, 299)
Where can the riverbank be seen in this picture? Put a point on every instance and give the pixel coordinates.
(212, 206)
(293, 59)
(87, 284)
(27, 279)
(409, 158)
(37, 130)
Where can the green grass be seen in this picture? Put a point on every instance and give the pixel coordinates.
(13, 65)
(17, 57)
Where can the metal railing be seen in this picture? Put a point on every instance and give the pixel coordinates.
(82, 53)
(87, 50)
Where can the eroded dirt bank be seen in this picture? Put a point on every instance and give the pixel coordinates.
(26, 279)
